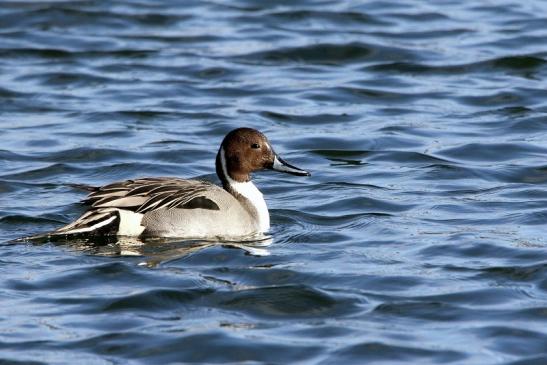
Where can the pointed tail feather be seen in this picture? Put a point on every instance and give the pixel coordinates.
(100, 222)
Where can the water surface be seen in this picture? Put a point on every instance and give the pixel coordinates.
(419, 238)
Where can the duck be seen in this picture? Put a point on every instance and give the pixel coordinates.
(188, 208)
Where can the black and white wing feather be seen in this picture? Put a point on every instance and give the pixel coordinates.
(148, 194)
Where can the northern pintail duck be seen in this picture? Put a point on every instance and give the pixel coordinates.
(173, 207)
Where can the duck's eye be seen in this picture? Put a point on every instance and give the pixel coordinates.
(255, 145)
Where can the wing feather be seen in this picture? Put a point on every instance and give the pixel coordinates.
(120, 202)
(149, 194)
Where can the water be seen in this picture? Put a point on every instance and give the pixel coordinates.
(419, 238)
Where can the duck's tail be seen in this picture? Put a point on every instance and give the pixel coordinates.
(95, 222)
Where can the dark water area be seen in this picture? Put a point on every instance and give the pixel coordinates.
(418, 239)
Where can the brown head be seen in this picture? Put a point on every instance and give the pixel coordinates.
(245, 150)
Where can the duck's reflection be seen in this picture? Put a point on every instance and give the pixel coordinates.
(155, 251)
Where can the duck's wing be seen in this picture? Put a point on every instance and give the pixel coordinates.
(118, 208)
(148, 194)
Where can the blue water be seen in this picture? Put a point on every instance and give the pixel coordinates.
(419, 238)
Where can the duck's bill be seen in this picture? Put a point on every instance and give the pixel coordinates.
(283, 166)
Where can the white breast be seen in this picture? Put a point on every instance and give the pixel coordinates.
(250, 191)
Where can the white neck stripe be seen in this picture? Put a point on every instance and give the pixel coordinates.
(224, 168)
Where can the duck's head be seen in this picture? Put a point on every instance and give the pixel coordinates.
(245, 150)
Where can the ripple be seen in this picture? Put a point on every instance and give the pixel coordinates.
(515, 273)
(57, 53)
(151, 300)
(335, 17)
(285, 301)
(378, 351)
(314, 119)
(326, 54)
(520, 65)
(16, 219)
(368, 95)
(493, 152)
(161, 349)
(514, 341)
(67, 79)
(363, 204)
(505, 98)
(53, 170)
